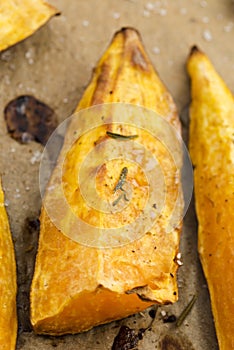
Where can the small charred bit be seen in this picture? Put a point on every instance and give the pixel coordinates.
(29, 119)
(126, 339)
(186, 311)
(33, 224)
(120, 136)
(122, 179)
(169, 319)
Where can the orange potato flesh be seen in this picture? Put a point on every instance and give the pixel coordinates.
(211, 147)
(20, 19)
(76, 287)
(8, 318)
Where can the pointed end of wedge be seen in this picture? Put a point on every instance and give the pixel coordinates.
(194, 51)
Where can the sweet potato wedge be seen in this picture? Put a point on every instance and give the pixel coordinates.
(211, 148)
(76, 287)
(20, 19)
(8, 318)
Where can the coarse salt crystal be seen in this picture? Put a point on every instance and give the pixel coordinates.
(116, 15)
(36, 157)
(6, 56)
(149, 6)
(203, 3)
(162, 12)
(146, 13)
(207, 35)
(7, 202)
(156, 50)
(163, 313)
(228, 27)
(205, 19)
(85, 23)
(65, 100)
(28, 54)
(30, 61)
(179, 255)
(183, 11)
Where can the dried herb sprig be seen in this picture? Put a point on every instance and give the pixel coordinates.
(186, 311)
(114, 135)
(122, 179)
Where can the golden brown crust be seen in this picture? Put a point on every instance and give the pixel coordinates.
(22, 19)
(8, 318)
(211, 149)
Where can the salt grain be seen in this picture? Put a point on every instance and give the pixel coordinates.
(179, 255)
(85, 23)
(183, 11)
(146, 13)
(228, 27)
(6, 56)
(7, 202)
(156, 50)
(163, 313)
(162, 12)
(116, 15)
(28, 54)
(30, 61)
(205, 19)
(36, 157)
(149, 6)
(27, 188)
(207, 35)
(203, 3)
(65, 100)
(7, 80)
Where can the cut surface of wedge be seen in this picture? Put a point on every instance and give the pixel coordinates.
(77, 286)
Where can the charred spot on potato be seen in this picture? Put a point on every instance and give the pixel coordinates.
(29, 119)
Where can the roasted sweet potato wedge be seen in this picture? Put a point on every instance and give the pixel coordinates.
(8, 318)
(76, 286)
(211, 147)
(20, 19)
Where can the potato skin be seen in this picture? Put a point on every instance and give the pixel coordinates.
(211, 148)
(76, 287)
(8, 318)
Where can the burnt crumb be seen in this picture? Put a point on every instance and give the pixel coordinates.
(29, 119)
(169, 319)
(126, 338)
(171, 274)
(33, 224)
(152, 313)
(174, 293)
(111, 92)
(154, 206)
